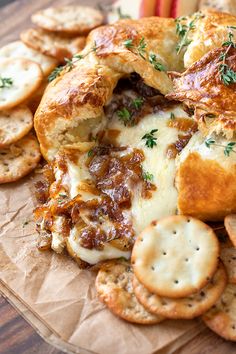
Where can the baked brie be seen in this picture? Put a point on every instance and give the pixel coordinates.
(121, 132)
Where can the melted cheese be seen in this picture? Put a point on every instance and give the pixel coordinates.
(164, 199)
(93, 256)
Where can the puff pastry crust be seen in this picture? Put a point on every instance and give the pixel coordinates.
(206, 180)
(79, 95)
(200, 86)
(209, 33)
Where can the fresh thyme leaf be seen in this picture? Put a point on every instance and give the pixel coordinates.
(78, 56)
(227, 75)
(153, 60)
(5, 82)
(147, 176)
(69, 64)
(142, 48)
(62, 195)
(129, 43)
(55, 73)
(172, 116)
(90, 153)
(183, 29)
(150, 138)
(121, 15)
(124, 115)
(229, 148)
(138, 102)
(209, 142)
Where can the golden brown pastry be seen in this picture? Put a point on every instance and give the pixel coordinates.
(113, 140)
(73, 102)
(201, 86)
(205, 178)
(209, 32)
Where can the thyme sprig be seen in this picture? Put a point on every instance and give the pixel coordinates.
(124, 115)
(138, 102)
(147, 176)
(150, 138)
(183, 30)
(228, 148)
(140, 49)
(227, 75)
(5, 82)
(70, 63)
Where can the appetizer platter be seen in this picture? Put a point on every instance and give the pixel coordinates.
(129, 126)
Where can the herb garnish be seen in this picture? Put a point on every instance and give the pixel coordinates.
(129, 43)
(121, 15)
(172, 116)
(5, 82)
(124, 115)
(150, 138)
(183, 29)
(227, 75)
(141, 51)
(227, 148)
(69, 64)
(157, 65)
(147, 176)
(138, 102)
(90, 153)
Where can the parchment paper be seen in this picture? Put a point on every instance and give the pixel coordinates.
(59, 299)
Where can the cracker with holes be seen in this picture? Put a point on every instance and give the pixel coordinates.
(52, 44)
(230, 225)
(14, 124)
(228, 256)
(19, 159)
(221, 318)
(19, 50)
(19, 79)
(176, 256)
(183, 308)
(68, 19)
(114, 287)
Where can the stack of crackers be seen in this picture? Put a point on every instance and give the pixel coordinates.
(178, 270)
(24, 69)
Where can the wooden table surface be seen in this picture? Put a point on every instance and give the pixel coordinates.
(16, 335)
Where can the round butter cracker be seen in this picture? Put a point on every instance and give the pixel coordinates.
(19, 79)
(52, 44)
(14, 124)
(114, 287)
(221, 318)
(18, 49)
(183, 308)
(228, 257)
(176, 256)
(68, 19)
(230, 225)
(19, 159)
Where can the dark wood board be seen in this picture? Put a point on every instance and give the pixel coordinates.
(16, 335)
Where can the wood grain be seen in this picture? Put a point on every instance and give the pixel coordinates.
(16, 336)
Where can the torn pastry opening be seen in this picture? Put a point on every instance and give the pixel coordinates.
(102, 190)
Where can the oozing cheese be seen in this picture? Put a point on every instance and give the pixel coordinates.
(164, 199)
(93, 256)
